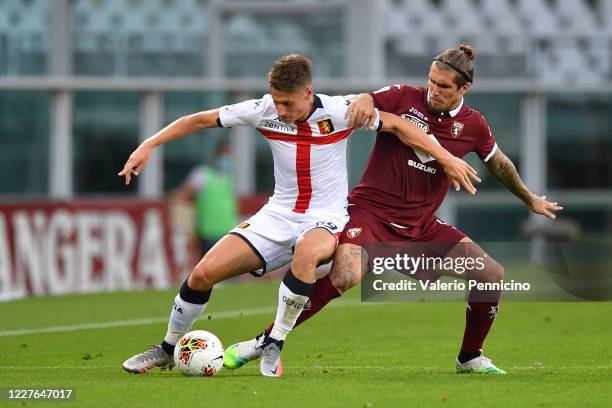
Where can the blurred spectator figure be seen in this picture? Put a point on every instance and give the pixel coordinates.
(209, 190)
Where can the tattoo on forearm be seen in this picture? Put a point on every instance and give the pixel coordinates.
(502, 168)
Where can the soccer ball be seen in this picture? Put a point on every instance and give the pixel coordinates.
(199, 353)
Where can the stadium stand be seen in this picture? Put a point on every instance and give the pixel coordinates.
(23, 39)
(557, 41)
(156, 37)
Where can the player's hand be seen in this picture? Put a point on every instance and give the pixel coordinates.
(460, 174)
(361, 112)
(540, 205)
(136, 162)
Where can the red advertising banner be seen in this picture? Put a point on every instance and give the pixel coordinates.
(84, 246)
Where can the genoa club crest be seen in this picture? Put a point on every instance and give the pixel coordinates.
(456, 130)
(353, 232)
(325, 126)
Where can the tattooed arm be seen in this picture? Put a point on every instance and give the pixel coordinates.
(502, 168)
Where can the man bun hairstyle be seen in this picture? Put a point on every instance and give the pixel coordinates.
(468, 50)
(290, 72)
(459, 60)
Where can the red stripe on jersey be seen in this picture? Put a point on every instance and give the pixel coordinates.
(306, 138)
(302, 169)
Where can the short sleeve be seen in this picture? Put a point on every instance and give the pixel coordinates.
(387, 99)
(485, 143)
(247, 113)
(340, 105)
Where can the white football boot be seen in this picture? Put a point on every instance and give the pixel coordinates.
(143, 362)
(270, 364)
(479, 365)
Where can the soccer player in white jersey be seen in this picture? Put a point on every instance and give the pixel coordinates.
(308, 134)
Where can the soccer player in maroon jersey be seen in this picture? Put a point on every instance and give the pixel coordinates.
(401, 189)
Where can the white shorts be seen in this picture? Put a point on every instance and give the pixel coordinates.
(273, 232)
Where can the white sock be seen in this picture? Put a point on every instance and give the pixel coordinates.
(182, 317)
(290, 306)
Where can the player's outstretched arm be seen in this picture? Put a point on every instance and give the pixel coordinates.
(457, 170)
(177, 129)
(502, 168)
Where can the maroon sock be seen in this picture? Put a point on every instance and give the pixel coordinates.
(481, 311)
(322, 293)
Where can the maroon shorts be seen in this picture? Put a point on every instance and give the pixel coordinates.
(382, 238)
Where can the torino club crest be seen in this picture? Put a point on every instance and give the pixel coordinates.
(456, 130)
(353, 232)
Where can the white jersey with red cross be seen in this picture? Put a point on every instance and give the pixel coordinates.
(309, 157)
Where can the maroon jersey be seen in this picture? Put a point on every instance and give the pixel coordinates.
(405, 186)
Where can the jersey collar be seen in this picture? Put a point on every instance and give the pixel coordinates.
(454, 112)
(316, 104)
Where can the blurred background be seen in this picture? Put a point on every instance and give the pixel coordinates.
(83, 81)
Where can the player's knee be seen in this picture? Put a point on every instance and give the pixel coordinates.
(345, 275)
(345, 279)
(495, 272)
(202, 276)
(304, 268)
(309, 256)
(346, 272)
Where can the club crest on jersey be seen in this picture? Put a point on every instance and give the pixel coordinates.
(456, 130)
(244, 225)
(353, 232)
(325, 126)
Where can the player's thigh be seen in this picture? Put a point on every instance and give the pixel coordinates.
(230, 256)
(349, 266)
(482, 267)
(272, 233)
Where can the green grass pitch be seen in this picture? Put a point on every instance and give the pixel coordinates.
(350, 355)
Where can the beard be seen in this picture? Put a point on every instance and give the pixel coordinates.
(433, 109)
